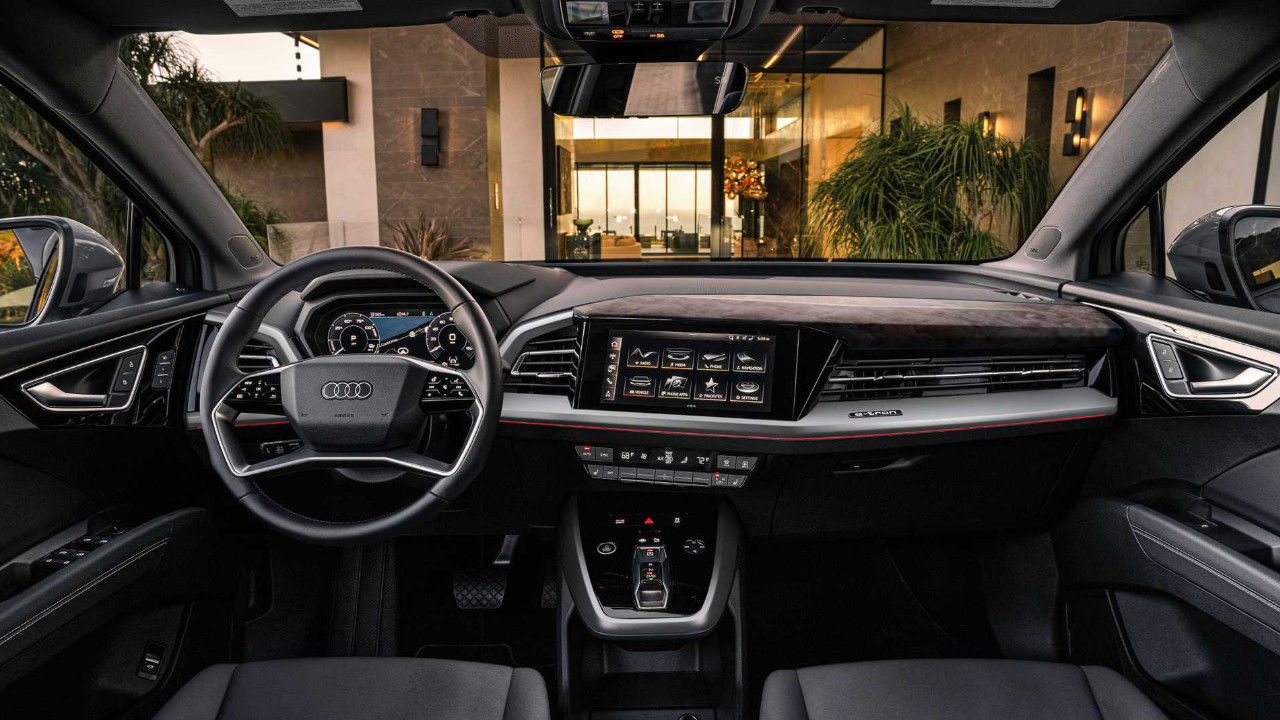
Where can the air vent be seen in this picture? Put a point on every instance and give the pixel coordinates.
(257, 355)
(862, 379)
(547, 365)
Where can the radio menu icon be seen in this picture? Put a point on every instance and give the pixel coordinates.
(641, 358)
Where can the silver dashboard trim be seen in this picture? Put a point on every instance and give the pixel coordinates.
(133, 392)
(831, 420)
(521, 333)
(1150, 328)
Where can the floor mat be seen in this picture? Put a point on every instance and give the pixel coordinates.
(512, 627)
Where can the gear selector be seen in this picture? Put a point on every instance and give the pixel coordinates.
(650, 576)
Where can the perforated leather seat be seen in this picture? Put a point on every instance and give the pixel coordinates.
(346, 688)
(953, 690)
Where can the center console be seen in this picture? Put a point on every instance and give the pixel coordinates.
(650, 617)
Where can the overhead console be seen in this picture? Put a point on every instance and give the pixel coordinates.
(610, 21)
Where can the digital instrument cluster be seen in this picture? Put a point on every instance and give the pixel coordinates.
(417, 331)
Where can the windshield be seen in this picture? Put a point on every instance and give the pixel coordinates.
(855, 141)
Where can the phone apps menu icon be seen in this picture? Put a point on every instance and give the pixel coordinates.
(676, 387)
(711, 388)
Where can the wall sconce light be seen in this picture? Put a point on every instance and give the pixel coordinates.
(987, 122)
(429, 128)
(1079, 116)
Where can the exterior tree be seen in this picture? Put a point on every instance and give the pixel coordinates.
(41, 172)
(929, 191)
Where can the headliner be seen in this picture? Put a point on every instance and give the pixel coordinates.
(215, 16)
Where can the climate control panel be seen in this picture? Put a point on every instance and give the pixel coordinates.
(667, 466)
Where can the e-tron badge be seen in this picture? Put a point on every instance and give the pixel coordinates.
(875, 413)
(346, 390)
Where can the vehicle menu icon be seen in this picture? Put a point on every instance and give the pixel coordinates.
(639, 386)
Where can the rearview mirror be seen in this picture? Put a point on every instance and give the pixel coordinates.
(1232, 256)
(644, 89)
(52, 267)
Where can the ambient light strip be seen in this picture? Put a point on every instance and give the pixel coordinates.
(815, 438)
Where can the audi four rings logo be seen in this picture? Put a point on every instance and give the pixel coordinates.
(346, 390)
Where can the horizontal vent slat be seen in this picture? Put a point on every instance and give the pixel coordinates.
(852, 378)
(548, 366)
(257, 355)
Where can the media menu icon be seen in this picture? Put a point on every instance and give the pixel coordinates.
(677, 359)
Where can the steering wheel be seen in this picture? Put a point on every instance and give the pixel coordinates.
(365, 415)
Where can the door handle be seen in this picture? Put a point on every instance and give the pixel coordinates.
(1247, 380)
(51, 395)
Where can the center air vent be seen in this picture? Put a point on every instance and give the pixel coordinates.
(862, 379)
(547, 365)
(257, 355)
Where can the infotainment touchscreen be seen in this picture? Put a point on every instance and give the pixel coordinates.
(689, 370)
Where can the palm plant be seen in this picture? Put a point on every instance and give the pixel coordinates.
(930, 191)
(42, 173)
(430, 240)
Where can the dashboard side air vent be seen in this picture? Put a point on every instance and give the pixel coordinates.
(257, 355)
(547, 365)
(854, 378)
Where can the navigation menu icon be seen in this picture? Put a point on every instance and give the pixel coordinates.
(748, 361)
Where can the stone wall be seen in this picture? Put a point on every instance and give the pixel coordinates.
(431, 67)
(986, 66)
(291, 182)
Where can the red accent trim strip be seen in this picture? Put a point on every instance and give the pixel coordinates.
(856, 436)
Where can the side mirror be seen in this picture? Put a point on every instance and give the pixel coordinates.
(52, 268)
(1232, 256)
(644, 89)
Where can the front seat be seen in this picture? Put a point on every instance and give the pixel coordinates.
(953, 690)
(347, 688)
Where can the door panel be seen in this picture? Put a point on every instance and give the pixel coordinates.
(1172, 571)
